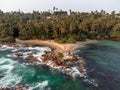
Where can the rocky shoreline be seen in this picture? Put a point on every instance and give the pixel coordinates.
(17, 87)
(69, 64)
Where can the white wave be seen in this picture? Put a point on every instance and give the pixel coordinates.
(5, 47)
(38, 54)
(9, 55)
(6, 60)
(8, 68)
(75, 72)
(46, 49)
(10, 80)
(15, 50)
(7, 65)
(26, 53)
(9, 47)
(40, 86)
(42, 49)
(35, 51)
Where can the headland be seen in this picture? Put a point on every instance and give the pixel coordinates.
(63, 59)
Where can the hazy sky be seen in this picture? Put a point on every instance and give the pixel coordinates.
(44, 5)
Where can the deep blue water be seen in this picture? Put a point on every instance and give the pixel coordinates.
(103, 63)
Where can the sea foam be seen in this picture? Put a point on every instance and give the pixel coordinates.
(6, 66)
(40, 85)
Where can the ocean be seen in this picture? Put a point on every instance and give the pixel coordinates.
(102, 62)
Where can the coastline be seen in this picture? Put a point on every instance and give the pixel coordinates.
(69, 64)
(64, 48)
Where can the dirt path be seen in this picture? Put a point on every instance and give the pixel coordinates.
(58, 47)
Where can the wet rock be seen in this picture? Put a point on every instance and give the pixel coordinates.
(31, 58)
(17, 87)
(19, 54)
(66, 62)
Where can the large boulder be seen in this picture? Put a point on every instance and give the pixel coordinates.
(31, 58)
(19, 54)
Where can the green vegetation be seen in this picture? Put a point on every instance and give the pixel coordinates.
(60, 54)
(59, 26)
(8, 39)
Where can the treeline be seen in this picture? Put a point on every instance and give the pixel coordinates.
(59, 26)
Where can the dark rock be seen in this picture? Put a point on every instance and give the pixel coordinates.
(32, 58)
(18, 54)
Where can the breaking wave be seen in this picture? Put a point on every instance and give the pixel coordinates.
(40, 86)
(8, 78)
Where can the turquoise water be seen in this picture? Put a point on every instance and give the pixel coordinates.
(38, 77)
(103, 63)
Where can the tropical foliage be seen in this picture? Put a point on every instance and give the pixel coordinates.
(58, 25)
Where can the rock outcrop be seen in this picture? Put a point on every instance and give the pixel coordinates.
(70, 65)
(32, 58)
(18, 54)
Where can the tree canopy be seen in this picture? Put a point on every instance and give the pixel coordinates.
(58, 25)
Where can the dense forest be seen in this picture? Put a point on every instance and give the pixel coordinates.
(59, 25)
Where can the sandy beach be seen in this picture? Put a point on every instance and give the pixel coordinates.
(58, 47)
